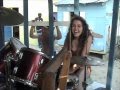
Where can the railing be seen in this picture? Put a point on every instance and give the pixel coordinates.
(46, 23)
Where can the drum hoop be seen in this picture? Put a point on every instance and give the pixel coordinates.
(35, 51)
(28, 82)
(17, 40)
(7, 44)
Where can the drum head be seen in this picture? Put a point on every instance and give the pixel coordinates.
(16, 44)
(33, 51)
(12, 47)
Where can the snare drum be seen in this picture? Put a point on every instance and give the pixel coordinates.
(31, 63)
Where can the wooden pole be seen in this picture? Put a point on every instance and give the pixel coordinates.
(65, 68)
(49, 77)
(64, 73)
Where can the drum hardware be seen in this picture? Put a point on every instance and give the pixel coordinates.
(72, 83)
(15, 70)
(41, 61)
(36, 76)
(20, 55)
(84, 83)
(8, 71)
(25, 82)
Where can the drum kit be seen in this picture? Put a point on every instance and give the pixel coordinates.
(22, 64)
(19, 63)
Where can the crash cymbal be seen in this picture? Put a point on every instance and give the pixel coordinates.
(96, 35)
(10, 17)
(88, 61)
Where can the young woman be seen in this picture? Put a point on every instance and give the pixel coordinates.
(81, 40)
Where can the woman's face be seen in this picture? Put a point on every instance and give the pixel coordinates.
(77, 28)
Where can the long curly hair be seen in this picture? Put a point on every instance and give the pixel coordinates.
(82, 38)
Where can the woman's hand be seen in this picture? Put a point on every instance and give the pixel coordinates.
(74, 66)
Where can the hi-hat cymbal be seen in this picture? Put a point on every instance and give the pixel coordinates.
(88, 61)
(10, 17)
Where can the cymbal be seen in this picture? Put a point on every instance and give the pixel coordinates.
(94, 61)
(10, 17)
(88, 61)
(96, 35)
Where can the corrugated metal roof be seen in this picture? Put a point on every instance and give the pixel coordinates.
(80, 1)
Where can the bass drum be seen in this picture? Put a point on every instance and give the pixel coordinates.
(30, 65)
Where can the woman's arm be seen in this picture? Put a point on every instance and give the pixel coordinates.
(59, 35)
(32, 32)
(87, 46)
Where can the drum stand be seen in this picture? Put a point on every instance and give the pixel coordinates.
(7, 77)
(84, 84)
(8, 72)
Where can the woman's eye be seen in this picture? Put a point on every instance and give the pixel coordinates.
(79, 26)
(73, 25)
(76, 26)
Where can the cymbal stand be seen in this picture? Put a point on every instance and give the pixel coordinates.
(8, 71)
(84, 84)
